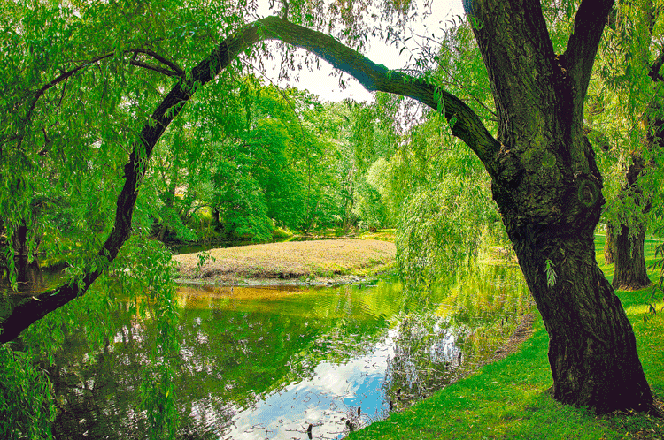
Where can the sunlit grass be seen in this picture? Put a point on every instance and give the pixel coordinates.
(289, 260)
(509, 399)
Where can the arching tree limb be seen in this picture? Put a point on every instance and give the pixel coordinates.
(465, 125)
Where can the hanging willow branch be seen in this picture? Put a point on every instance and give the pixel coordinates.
(467, 126)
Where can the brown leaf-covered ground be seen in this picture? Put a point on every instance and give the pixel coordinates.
(322, 261)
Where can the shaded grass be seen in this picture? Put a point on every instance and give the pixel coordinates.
(508, 399)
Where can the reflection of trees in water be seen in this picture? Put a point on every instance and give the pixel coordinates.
(229, 359)
(29, 272)
(100, 393)
(488, 307)
(96, 393)
(233, 353)
(474, 318)
(425, 359)
(31, 277)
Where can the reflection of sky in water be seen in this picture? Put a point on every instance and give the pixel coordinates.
(229, 337)
(327, 400)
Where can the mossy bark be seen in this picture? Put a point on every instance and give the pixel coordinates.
(547, 185)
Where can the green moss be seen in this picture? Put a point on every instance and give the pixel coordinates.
(540, 162)
(531, 159)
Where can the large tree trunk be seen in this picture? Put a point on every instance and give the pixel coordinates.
(629, 270)
(547, 186)
(592, 348)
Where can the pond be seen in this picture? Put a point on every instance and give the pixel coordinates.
(287, 362)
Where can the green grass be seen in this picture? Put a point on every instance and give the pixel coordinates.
(509, 399)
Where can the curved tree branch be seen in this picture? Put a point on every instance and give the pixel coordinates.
(465, 124)
(174, 67)
(176, 71)
(155, 69)
(37, 94)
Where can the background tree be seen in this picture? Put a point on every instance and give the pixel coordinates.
(623, 109)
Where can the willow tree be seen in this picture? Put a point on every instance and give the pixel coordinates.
(542, 167)
(625, 111)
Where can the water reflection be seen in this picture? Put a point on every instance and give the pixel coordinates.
(285, 362)
(31, 277)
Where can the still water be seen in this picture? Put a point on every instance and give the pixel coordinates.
(287, 362)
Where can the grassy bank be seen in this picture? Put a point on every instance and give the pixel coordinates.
(320, 260)
(508, 399)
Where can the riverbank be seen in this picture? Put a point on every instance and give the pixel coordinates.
(509, 399)
(331, 261)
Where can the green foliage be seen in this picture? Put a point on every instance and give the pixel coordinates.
(460, 70)
(261, 161)
(550, 273)
(623, 111)
(158, 389)
(203, 259)
(26, 405)
(657, 289)
(440, 229)
(142, 283)
(442, 194)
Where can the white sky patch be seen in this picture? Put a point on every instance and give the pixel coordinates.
(324, 82)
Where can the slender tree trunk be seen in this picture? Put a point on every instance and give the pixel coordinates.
(630, 262)
(21, 253)
(20, 241)
(609, 244)
(629, 271)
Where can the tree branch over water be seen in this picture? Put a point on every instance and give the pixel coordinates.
(464, 122)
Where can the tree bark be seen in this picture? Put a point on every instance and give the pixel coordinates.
(548, 190)
(592, 349)
(630, 262)
(629, 270)
(609, 244)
